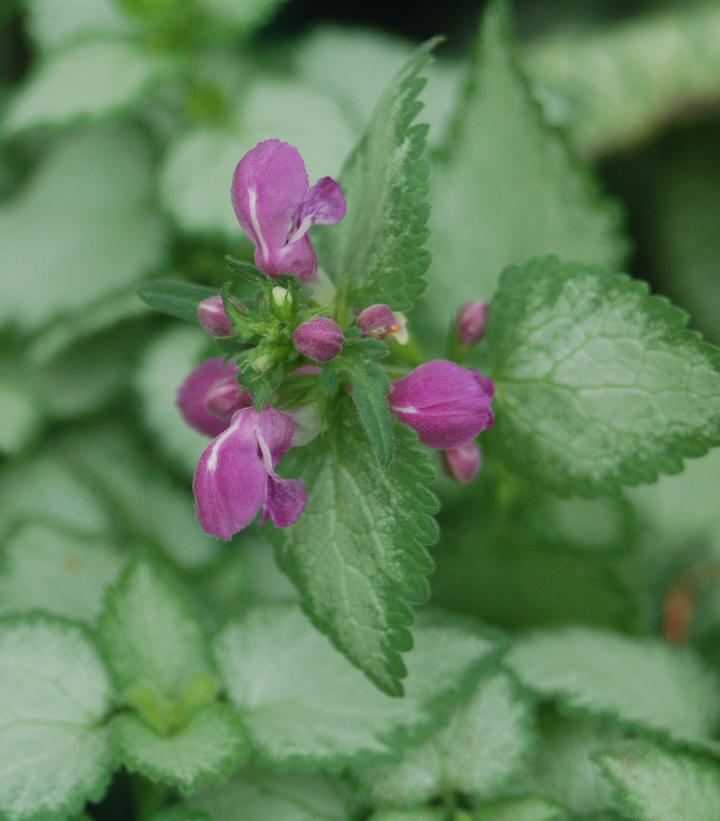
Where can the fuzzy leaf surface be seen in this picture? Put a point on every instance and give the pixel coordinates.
(376, 253)
(599, 384)
(305, 706)
(54, 695)
(358, 553)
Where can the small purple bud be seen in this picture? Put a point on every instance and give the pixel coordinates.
(210, 395)
(462, 463)
(212, 316)
(470, 322)
(445, 403)
(320, 339)
(378, 321)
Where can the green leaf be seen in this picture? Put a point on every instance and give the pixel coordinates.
(180, 812)
(370, 387)
(376, 254)
(155, 645)
(486, 742)
(103, 237)
(57, 570)
(499, 570)
(578, 668)
(358, 553)
(54, 695)
(525, 808)
(21, 416)
(362, 61)
(413, 814)
(51, 25)
(86, 82)
(167, 361)
(175, 298)
(655, 784)
(514, 180)
(46, 489)
(242, 17)
(153, 510)
(599, 385)
(619, 85)
(205, 751)
(264, 796)
(564, 767)
(306, 707)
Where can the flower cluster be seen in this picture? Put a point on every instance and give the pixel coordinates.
(446, 404)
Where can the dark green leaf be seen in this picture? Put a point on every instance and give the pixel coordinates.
(175, 298)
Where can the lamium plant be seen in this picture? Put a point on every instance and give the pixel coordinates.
(399, 504)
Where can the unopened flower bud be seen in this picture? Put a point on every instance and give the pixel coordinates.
(320, 339)
(462, 463)
(378, 321)
(445, 403)
(281, 301)
(470, 322)
(225, 397)
(210, 395)
(213, 318)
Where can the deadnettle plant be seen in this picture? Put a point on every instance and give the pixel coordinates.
(287, 356)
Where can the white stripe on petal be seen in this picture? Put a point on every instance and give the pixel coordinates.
(252, 203)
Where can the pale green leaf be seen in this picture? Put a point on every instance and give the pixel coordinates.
(376, 253)
(485, 743)
(655, 784)
(151, 636)
(167, 361)
(564, 767)
(363, 62)
(617, 85)
(54, 695)
(154, 510)
(513, 180)
(264, 796)
(46, 489)
(57, 570)
(205, 751)
(68, 331)
(599, 384)
(242, 17)
(82, 228)
(52, 24)
(305, 706)
(598, 674)
(21, 416)
(525, 808)
(90, 80)
(197, 171)
(414, 814)
(358, 553)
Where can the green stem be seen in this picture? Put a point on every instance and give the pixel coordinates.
(150, 798)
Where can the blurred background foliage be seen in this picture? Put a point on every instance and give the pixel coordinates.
(120, 124)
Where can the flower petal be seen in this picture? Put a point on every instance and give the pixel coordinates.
(297, 258)
(230, 481)
(268, 188)
(192, 394)
(276, 430)
(285, 501)
(324, 203)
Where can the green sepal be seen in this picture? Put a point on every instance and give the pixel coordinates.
(175, 298)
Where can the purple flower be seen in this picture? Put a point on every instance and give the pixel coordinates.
(276, 207)
(470, 322)
(212, 316)
(378, 321)
(210, 395)
(235, 477)
(463, 462)
(320, 339)
(445, 403)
